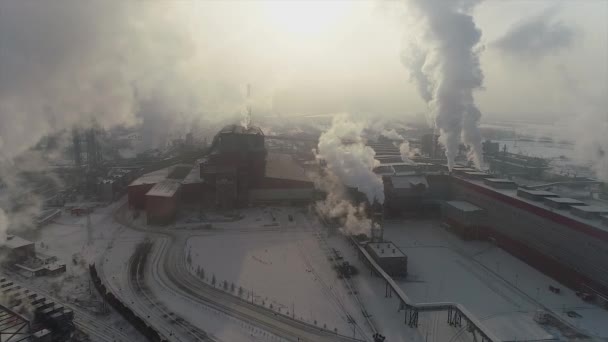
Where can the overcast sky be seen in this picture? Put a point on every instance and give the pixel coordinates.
(65, 61)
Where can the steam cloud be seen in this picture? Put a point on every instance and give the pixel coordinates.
(343, 149)
(444, 62)
(536, 36)
(349, 162)
(391, 134)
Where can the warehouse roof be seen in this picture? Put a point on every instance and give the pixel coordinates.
(152, 177)
(541, 193)
(499, 180)
(406, 182)
(166, 188)
(386, 249)
(463, 205)
(565, 200)
(592, 208)
(283, 166)
(13, 241)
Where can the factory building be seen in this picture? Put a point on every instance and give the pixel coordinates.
(161, 202)
(238, 171)
(516, 164)
(17, 249)
(562, 237)
(284, 182)
(388, 256)
(464, 218)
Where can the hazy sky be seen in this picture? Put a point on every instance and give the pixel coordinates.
(65, 61)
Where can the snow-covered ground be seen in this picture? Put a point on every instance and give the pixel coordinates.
(280, 262)
(501, 290)
(68, 239)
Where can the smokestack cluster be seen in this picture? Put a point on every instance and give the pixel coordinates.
(443, 61)
(349, 163)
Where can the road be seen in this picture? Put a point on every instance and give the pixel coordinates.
(167, 267)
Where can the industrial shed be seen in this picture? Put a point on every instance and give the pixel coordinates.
(284, 181)
(590, 212)
(562, 202)
(500, 183)
(18, 249)
(161, 202)
(464, 218)
(138, 189)
(535, 195)
(392, 260)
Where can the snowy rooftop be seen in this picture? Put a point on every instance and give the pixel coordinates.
(565, 200)
(152, 177)
(592, 209)
(13, 241)
(500, 180)
(542, 193)
(194, 176)
(386, 250)
(166, 188)
(284, 167)
(513, 193)
(406, 182)
(464, 206)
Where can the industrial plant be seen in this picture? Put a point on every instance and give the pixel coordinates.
(303, 171)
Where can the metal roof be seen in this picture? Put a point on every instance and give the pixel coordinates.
(406, 182)
(541, 193)
(386, 250)
(283, 166)
(500, 180)
(464, 206)
(166, 188)
(591, 208)
(13, 241)
(565, 200)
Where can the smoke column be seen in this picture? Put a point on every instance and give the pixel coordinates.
(349, 163)
(348, 157)
(443, 61)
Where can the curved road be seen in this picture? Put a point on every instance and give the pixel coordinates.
(169, 270)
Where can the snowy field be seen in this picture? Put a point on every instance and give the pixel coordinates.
(277, 263)
(499, 289)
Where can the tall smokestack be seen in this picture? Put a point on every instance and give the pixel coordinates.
(443, 61)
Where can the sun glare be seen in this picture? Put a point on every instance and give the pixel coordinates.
(306, 18)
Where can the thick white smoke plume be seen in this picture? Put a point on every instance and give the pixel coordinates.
(343, 149)
(391, 134)
(349, 162)
(406, 152)
(443, 60)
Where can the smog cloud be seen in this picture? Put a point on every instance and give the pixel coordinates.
(443, 59)
(537, 36)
